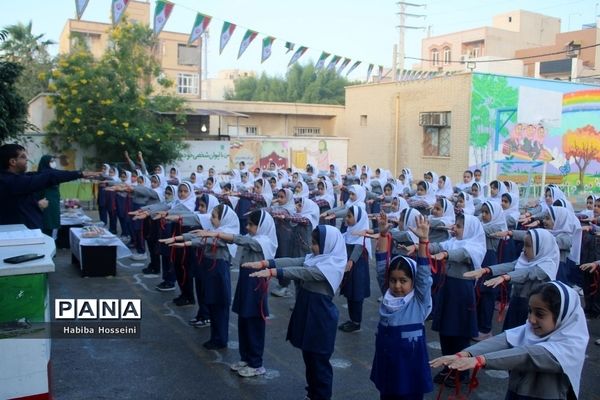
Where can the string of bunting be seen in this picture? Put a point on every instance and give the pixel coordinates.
(164, 9)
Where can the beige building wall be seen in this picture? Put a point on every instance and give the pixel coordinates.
(273, 119)
(509, 32)
(392, 137)
(96, 36)
(589, 57)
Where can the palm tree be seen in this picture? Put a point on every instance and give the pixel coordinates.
(21, 45)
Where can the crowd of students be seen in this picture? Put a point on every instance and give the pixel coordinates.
(450, 253)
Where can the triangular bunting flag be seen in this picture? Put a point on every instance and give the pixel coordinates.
(266, 48)
(289, 46)
(162, 12)
(249, 36)
(343, 65)
(200, 25)
(226, 33)
(80, 6)
(118, 8)
(301, 50)
(353, 67)
(321, 62)
(333, 63)
(369, 70)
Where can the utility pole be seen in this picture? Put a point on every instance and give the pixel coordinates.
(402, 15)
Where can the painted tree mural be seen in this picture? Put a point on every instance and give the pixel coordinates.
(583, 144)
(489, 92)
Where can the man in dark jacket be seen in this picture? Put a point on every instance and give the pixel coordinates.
(18, 201)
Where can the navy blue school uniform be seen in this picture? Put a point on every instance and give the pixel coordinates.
(102, 210)
(401, 362)
(486, 296)
(215, 293)
(250, 303)
(111, 207)
(356, 285)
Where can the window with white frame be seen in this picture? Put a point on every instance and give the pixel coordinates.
(187, 83)
(301, 131)
(435, 57)
(447, 55)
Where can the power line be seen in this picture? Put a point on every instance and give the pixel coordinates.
(504, 59)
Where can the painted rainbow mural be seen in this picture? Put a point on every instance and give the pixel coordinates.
(582, 100)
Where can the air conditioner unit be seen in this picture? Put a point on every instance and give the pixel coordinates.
(433, 119)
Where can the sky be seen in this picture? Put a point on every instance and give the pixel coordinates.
(362, 30)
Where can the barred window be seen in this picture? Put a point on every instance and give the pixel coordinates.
(187, 83)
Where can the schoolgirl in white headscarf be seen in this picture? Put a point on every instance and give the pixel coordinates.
(448, 217)
(472, 239)
(445, 188)
(189, 201)
(328, 194)
(361, 195)
(309, 210)
(497, 189)
(467, 200)
(304, 192)
(565, 222)
(288, 204)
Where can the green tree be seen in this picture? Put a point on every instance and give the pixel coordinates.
(302, 84)
(489, 92)
(112, 104)
(13, 109)
(21, 46)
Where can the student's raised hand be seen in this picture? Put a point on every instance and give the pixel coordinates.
(329, 217)
(422, 229)
(204, 233)
(126, 153)
(534, 224)
(494, 282)
(139, 155)
(181, 244)
(91, 174)
(476, 274)
(463, 363)
(254, 265)
(501, 234)
(589, 267)
(382, 222)
(167, 241)
(440, 256)
(263, 273)
(442, 361)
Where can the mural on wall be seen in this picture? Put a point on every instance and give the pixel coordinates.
(314, 152)
(247, 151)
(525, 123)
(276, 152)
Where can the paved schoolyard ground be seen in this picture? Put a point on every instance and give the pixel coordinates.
(169, 362)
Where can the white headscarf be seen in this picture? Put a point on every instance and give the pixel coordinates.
(145, 181)
(336, 172)
(469, 206)
(557, 194)
(161, 172)
(266, 193)
(362, 223)
(116, 177)
(390, 303)
(498, 221)
(449, 217)
(266, 235)
(565, 221)
(290, 204)
(211, 202)
(513, 210)
(105, 170)
(199, 181)
(190, 201)
(304, 193)
(329, 196)
(177, 174)
(408, 175)
(501, 190)
(229, 223)
(175, 194)
(160, 190)
(435, 176)
(402, 205)
(473, 241)
(429, 196)
(285, 178)
(480, 195)
(567, 342)
(128, 178)
(410, 221)
(447, 190)
(546, 254)
(310, 210)
(361, 195)
(332, 259)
